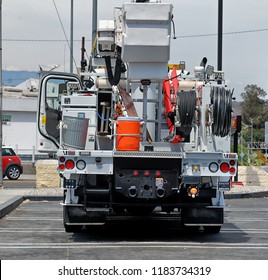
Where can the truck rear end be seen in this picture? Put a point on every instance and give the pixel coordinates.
(133, 142)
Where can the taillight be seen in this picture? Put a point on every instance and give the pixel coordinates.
(232, 170)
(69, 164)
(135, 173)
(146, 173)
(157, 173)
(81, 164)
(62, 159)
(224, 167)
(232, 162)
(213, 167)
(61, 167)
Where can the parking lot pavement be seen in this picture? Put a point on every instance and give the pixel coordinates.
(12, 193)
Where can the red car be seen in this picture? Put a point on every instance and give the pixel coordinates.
(11, 164)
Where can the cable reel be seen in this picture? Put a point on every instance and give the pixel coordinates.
(186, 104)
(221, 100)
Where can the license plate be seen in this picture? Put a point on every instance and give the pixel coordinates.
(224, 186)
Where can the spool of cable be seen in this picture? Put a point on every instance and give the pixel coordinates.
(221, 99)
(186, 102)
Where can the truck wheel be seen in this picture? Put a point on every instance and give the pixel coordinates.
(212, 229)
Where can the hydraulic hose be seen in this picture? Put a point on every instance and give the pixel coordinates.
(186, 103)
(114, 78)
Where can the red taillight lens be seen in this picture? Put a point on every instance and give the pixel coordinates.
(61, 167)
(232, 162)
(146, 173)
(224, 167)
(135, 173)
(232, 170)
(69, 164)
(157, 173)
(62, 159)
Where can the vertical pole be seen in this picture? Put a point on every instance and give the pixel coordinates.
(241, 146)
(83, 58)
(71, 36)
(236, 151)
(220, 28)
(33, 157)
(93, 34)
(94, 22)
(248, 154)
(159, 112)
(145, 85)
(251, 131)
(1, 95)
(144, 113)
(82, 52)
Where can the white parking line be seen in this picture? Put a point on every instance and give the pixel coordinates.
(167, 245)
(32, 219)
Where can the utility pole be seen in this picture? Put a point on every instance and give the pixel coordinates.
(220, 29)
(71, 37)
(1, 95)
(94, 28)
(251, 130)
(94, 22)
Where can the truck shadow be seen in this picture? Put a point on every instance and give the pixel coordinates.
(158, 232)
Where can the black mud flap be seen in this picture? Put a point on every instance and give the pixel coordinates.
(78, 215)
(202, 216)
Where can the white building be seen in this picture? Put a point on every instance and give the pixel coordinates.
(19, 116)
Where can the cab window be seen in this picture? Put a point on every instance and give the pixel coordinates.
(55, 88)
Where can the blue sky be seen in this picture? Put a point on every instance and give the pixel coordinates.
(31, 30)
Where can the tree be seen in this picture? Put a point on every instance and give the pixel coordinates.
(254, 106)
(254, 111)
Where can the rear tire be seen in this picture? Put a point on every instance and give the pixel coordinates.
(13, 172)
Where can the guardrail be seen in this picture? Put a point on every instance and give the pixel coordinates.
(30, 154)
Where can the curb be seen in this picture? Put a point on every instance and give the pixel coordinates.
(10, 205)
(246, 195)
(14, 202)
(43, 197)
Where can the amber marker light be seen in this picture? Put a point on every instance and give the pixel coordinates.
(195, 168)
(193, 192)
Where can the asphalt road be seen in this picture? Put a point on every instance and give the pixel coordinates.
(34, 230)
(22, 182)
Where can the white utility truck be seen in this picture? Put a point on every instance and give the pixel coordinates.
(134, 139)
